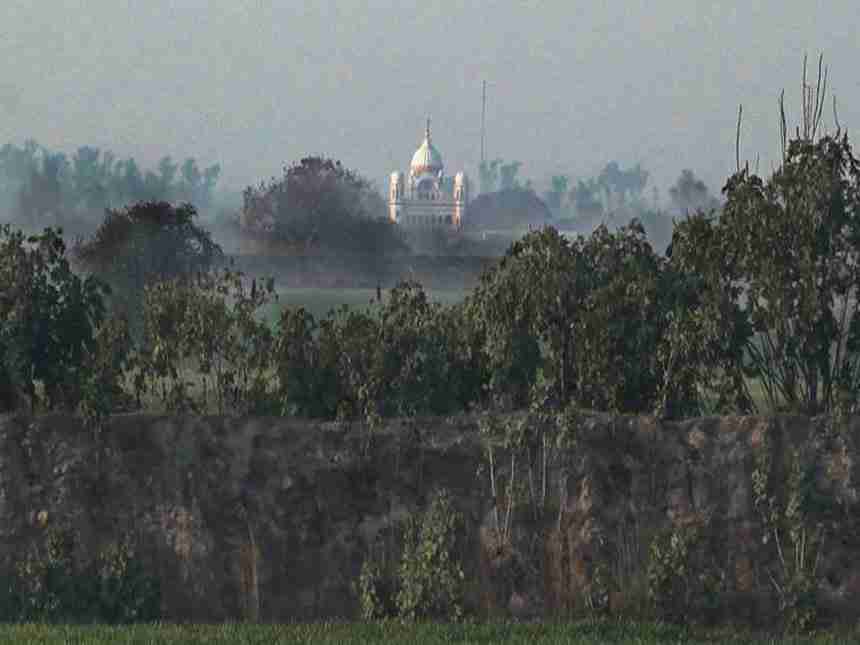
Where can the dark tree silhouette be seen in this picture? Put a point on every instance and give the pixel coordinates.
(146, 243)
(318, 202)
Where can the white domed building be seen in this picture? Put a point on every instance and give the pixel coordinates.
(427, 198)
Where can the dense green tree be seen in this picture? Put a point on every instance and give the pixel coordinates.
(585, 197)
(307, 387)
(210, 322)
(404, 355)
(88, 179)
(496, 175)
(49, 317)
(16, 167)
(555, 196)
(191, 180)
(210, 179)
(620, 186)
(42, 195)
(420, 353)
(320, 203)
(785, 249)
(793, 243)
(488, 176)
(708, 331)
(620, 320)
(167, 176)
(508, 175)
(143, 244)
(524, 304)
(689, 193)
(586, 319)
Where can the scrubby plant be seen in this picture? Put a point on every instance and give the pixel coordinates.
(670, 572)
(207, 324)
(375, 592)
(431, 577)
(598, 592)
(50, 585)
(48, 320)
(798, 546)
(307, 381)
(428, 580)
(506, 434)
(143, 244)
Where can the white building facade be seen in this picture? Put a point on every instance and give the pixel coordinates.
(426, 197)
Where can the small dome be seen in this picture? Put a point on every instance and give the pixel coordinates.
(426, 159)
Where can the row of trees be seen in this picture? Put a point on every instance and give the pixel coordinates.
(765, 292)
(615, 195)
(617, 190)
(613, 189)
(496, 175)
(36, 182)
(762, 292)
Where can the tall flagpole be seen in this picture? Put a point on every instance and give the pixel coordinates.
(483, 117)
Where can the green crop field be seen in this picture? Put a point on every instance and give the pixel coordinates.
(390, 632)
(320, 301)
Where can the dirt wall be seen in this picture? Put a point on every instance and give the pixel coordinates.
(271, 518)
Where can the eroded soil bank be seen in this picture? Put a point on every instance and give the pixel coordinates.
(272, 518)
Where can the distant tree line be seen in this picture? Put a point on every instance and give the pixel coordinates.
(615, 190)
(614, 196)
(497, 175)
(763, 290)
(36, 182)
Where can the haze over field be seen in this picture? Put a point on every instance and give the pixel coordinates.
(253, 85)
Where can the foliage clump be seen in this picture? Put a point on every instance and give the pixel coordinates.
(143, 244)
(788, 531)
(318, 203)
(208, 323)
(49, 321)
(429, 580)
(51, 585)
(403, 356)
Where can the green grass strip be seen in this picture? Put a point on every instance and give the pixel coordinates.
(345, 633)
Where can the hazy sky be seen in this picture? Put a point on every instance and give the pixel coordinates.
(257, 84)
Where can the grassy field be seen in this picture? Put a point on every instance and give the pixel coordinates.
(392, 632)
(320, 301)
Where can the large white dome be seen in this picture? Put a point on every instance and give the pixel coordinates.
(426, 159)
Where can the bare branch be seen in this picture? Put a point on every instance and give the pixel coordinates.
(820, 93)
(783, 128)
(836, 118)
(738, 138)
(804, 103)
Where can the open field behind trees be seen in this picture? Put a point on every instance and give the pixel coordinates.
(320, 302)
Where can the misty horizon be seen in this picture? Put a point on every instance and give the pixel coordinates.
(254, 87)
